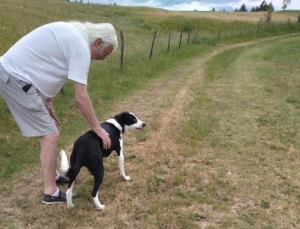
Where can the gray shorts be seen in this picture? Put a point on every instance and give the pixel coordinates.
(27, 108)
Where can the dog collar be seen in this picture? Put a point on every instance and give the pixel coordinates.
(116, 124)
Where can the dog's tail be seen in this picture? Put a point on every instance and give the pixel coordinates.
(64, 164)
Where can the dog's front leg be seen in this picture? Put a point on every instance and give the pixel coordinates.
(121, 167)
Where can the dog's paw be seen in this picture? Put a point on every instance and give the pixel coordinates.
(100, 207)
(70, 205)
(127, 178)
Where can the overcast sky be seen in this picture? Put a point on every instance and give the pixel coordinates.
(200, 5)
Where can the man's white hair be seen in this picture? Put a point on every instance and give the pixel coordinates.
(105, 31)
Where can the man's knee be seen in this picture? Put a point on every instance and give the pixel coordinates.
(51, 137)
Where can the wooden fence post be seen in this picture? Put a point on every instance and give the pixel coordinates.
(152, 45)
(169, 40)
(196, 35)
(180, 38)
(122, 49)
(219, 34)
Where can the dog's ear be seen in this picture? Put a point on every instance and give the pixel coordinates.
(121, 117)
(117, 117)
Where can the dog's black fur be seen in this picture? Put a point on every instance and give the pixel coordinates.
(88, 151)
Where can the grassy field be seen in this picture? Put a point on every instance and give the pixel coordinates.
(231, 119)
(246, 119)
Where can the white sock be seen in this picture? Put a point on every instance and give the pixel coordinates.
(56, 178)
(56, 193)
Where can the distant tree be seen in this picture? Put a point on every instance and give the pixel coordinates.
(263, 6)
(285, 3)
(115, 4)
(213, 9)
(243, 8)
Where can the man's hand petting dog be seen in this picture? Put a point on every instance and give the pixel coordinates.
(104, 136)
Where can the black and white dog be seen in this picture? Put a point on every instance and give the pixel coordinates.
(88, 151)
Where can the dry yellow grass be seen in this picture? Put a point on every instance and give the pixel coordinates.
(223, 16)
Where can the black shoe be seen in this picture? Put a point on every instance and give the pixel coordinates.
(62, 179)
(61, 198)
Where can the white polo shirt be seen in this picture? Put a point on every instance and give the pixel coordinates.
(48, 56)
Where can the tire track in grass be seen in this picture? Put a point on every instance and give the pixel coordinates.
(165, 120)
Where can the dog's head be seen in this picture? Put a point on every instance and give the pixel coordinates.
(129, 121)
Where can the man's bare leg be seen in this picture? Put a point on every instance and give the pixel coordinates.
(48, 161)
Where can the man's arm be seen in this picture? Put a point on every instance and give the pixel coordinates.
(48, 104)
(85, 106)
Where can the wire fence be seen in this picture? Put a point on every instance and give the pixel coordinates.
(145, 46)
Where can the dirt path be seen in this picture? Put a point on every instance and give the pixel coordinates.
(162, 107)
(164, 100)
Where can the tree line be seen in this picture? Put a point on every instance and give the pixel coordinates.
(264, 6)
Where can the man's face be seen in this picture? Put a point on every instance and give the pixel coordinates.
(98, 52)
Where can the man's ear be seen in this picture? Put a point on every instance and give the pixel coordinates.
(98, 42)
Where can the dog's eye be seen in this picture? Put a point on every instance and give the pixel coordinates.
(134, 120)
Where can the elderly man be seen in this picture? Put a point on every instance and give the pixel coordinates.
(34, 70)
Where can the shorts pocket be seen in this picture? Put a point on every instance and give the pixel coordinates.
(21, 84)
(35, 101)
(3, 76)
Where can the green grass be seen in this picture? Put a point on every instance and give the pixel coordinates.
(246, 118)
